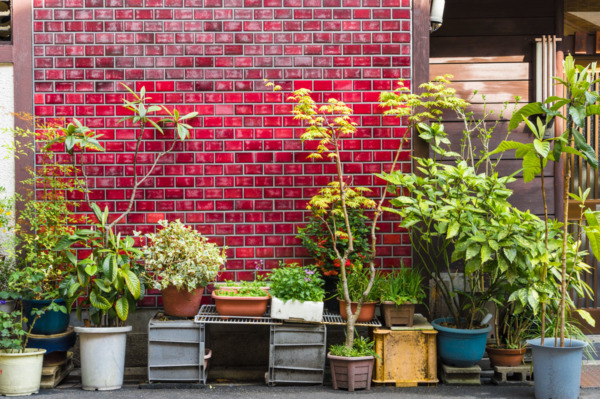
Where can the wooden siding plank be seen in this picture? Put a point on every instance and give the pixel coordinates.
(497, 26)
(495, 92)
(477, 72)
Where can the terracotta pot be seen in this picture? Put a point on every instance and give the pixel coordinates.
(351, 372)
(503, 357)
(397, 315)
(181, 303)
(367, 312)
(240, 306)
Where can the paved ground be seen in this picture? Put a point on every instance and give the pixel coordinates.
(324, 392)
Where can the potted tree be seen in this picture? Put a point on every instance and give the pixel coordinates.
(462, 221)
(181, 262)
(512, 327)
(328, 125)
(400, 291)
(352, 368)
(21, 366)
(297, 293)
(109, 276)
(580, 102)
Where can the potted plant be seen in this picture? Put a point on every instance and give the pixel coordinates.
(8, 298)
(512, 327)
(297, 293)
(468, 238)
(358, 279)
(327, 125)
(352, 368)
(400, 291)
(581, 101)
(109, 276)
(248, 300)
(182, 262)
(21, 366)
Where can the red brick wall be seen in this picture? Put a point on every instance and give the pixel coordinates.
(243, 178)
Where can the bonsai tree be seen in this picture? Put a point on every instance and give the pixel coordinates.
(109, 277)
(328, 125)
(580, 103)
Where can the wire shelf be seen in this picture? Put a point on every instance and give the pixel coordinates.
(209, 314)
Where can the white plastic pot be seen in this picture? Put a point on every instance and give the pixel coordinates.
(21, 373)
(102, 357)
(294, 310)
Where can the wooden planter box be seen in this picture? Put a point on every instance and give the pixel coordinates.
(397, 315)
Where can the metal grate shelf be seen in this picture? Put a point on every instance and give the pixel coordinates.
(209, 314)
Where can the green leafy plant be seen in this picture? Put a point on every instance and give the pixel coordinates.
(358, 279)
(581, 102)
(248, 290)
(13, 338)
(180, 256)
(296, 282)
(458, 213)
(362, 346)
(111, 274)
(402, 286)
(316, 238)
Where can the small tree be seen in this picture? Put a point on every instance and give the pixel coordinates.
(110, 274)
(330, 124)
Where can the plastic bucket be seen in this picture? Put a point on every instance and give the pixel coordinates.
(556, 370)
(102, 357)
(460, 347)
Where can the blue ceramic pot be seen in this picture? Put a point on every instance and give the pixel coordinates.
(557, 370)
(53, 343)
(457, 347)
(50, 322)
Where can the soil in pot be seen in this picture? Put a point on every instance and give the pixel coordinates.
(182, 303)
(240, 306)
(367, 311)
(504, 357)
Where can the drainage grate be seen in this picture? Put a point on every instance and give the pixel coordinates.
(209, 314)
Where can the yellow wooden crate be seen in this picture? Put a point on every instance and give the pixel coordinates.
(407, 355)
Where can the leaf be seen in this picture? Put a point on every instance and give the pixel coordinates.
(510, 145)
(510, 253)
(97, 211)
(91, 269)
(486, 253)
(73, 288)
(588, 152)
(133, 283)
(453, 229)
(122, 308)
(531, 167)
(524, 112)
(65, 242)
(578, 115)
(472, 251)
(585, 315)
(541, 147)
(98, 301)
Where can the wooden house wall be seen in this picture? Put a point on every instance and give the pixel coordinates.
(488, 46)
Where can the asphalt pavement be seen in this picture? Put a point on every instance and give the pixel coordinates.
(308, 392)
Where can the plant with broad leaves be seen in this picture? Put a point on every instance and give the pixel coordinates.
(111, 274)
(580, 103)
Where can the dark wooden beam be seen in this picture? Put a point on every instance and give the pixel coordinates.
(420, 60)
(580, 43)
